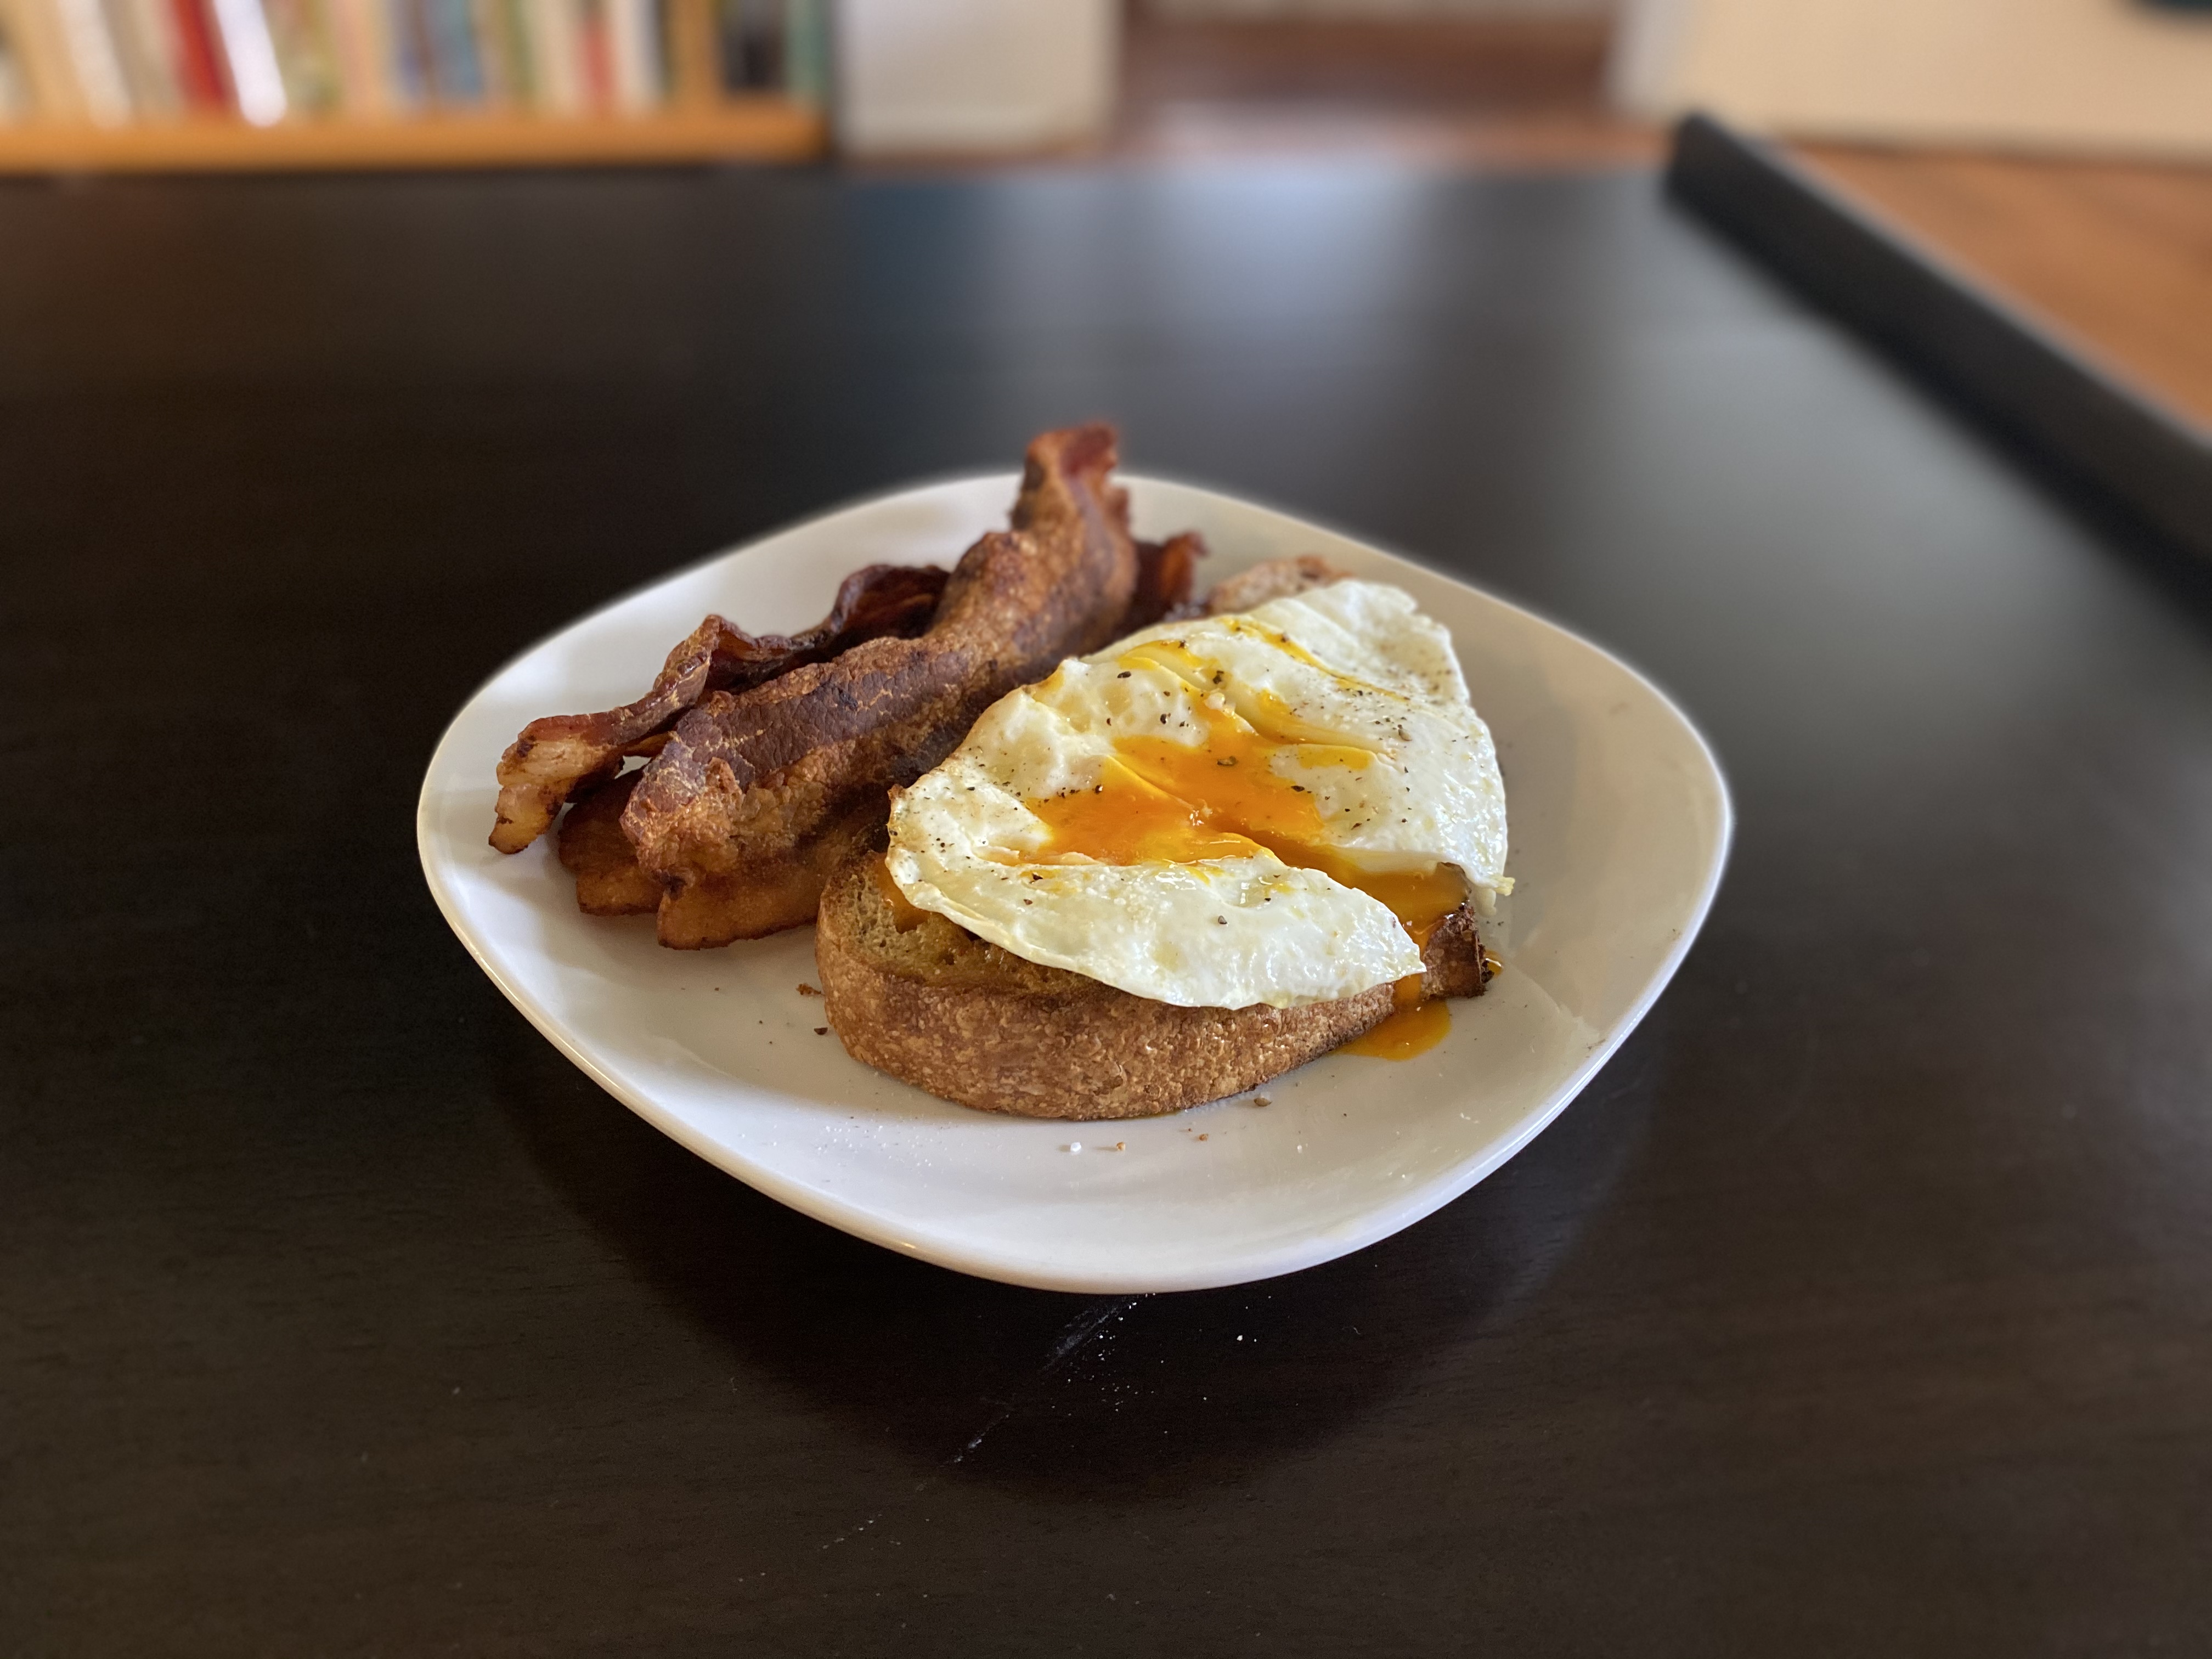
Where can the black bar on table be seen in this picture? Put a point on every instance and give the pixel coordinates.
(2040, 393)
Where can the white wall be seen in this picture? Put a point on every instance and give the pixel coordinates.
(948, 76)
(2112, 75)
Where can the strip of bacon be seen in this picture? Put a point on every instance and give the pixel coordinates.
(610, 882)
(554, 755)
(738, 816)
(1165, 571)
(594, 850)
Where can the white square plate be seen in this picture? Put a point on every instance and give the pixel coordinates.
(1621, 825)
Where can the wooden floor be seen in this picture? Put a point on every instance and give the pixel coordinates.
(2117, 256)
(1516, 92)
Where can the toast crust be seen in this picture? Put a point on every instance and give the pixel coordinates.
(911, 993)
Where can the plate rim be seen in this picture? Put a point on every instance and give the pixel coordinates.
(947, 1250)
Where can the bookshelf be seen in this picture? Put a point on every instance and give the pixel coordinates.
(151, 85)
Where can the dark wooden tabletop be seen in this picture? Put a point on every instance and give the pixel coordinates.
(1862, 1305)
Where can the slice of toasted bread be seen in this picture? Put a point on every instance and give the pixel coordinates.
(916, 995)
(1277, 578)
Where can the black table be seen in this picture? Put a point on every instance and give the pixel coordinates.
(1862, 1304)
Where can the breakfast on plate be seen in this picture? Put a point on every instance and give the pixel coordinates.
(1078, 847)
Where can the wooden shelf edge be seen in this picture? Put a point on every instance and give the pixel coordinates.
(751, 129)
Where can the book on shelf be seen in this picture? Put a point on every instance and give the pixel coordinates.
(144, 31)
(636, 72)
(203, 75)
(249, 52)
(556, 45)
(112, 63)
(38, 61)
(15, 89)
(304, 63)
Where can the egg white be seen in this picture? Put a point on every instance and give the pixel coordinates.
(1224, 933)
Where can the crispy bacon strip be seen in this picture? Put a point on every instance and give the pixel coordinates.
(767, 781)
(594, 850)
(610, 882)
(556, 755)
(1165, 571)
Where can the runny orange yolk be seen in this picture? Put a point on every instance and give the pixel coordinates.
(1413, 1026)
(906, 916)
(1161, 798)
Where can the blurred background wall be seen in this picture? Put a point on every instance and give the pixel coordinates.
(975, 75)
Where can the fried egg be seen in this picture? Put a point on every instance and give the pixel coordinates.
(1273, 806)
